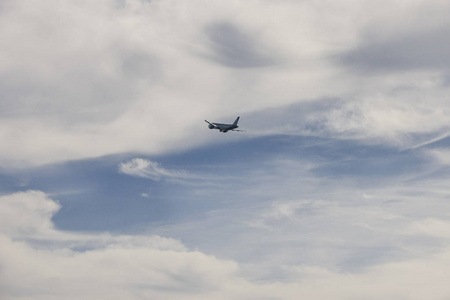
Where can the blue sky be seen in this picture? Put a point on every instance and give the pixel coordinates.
(112, 185)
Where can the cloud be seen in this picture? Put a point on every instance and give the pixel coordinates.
(91, 79)
(387, 118)
(431, 141)
(403, 119)
(140, 167)
(432, 227)
(415, 43)
(27, 213)
(344, 206)
(49, 264)
(326, 207)
(133, 272)
(278, 211)
(235, 49)
(101, 266)
(441, 155)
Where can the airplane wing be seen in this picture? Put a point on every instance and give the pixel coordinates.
(211, 124)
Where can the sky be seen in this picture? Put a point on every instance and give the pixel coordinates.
(113, 187)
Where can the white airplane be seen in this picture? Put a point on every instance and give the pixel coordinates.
(224, 127)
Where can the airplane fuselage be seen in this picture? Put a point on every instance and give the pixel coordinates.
(223, 127)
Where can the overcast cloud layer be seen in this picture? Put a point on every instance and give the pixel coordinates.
(113, 187)
(88, 79)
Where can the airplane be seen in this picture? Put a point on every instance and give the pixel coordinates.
(224, 127)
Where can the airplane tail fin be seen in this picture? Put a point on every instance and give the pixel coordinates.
(236, 121)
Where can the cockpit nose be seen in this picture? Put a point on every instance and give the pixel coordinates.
(210, 126)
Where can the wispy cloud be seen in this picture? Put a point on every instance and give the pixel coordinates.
(140, 167)
(431, 227)
(441, 155)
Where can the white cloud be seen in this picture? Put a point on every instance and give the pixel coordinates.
(441, 155)
(277, 212)
(140, 167)
(27, 214)
(430, 226)
(41, 262)
(133, 272)
(84, 79)
(88, 79)
(392, 118)
(142, 267)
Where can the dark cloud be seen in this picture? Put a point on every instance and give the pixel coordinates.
(423, 49)
(79, 91)
(141, 65)
(235, 48)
